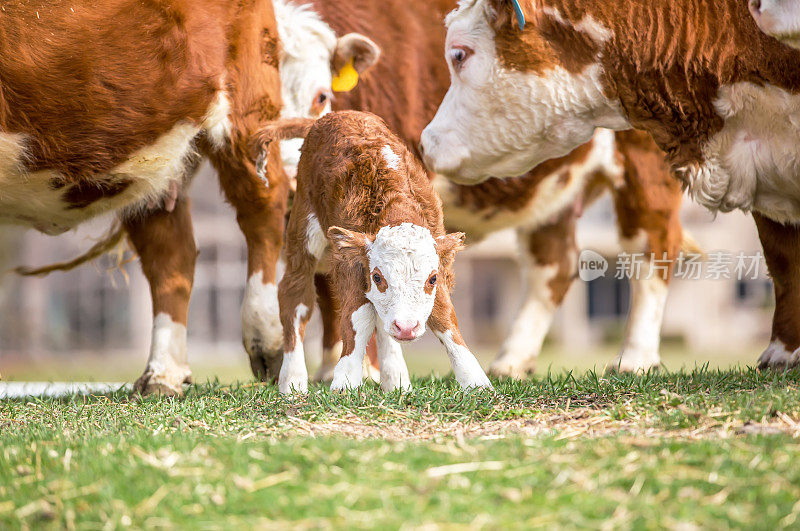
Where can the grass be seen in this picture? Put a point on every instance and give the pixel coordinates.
(710, 448)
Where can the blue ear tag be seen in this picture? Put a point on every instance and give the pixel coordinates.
(519, 13)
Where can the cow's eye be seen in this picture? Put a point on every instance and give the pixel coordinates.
(321, 98)
(458, 55)
(377, 278)
(432, 280)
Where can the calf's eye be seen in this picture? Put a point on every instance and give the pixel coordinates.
(376, 278)
(458, 55)
(432, 280)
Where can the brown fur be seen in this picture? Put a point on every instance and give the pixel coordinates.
(667, 72)
(90, 83)
(344, 181)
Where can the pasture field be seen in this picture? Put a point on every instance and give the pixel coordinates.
(705, 448)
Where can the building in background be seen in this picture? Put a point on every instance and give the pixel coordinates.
(108, 312)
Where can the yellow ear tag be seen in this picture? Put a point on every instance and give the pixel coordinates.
(346, 80)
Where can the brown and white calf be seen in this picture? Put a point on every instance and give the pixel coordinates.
(108, 107)
(725, 110)
(362, 194)
(404, 88)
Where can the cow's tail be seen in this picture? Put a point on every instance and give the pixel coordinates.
(278, 130)
(114, 238)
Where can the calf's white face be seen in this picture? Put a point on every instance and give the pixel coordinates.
(778, 18)
(310, 57)
(402, 265)
(501, 117)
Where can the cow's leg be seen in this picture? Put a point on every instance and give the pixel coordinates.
(782, 252)
(444, 324)
(548, 257)
(260, 206)
(166, 247)
(393, 368)
(647, 204)
(332, 340)
(356, 325)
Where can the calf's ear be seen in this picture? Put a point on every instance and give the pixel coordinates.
(449, 244)
(356, 47)
(347, 240)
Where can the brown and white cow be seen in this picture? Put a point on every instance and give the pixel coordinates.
(718, 95)
(362, 194)
(108, 107)
(404, 88)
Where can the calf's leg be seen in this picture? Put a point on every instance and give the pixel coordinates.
(444, 324)
(166, 247)
(357, 324)
(782, 251)
(549, 258)
(393, 368)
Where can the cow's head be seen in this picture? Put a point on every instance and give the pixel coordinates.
(401, 269)
(311, 56)
(516, 97)
(779, 18)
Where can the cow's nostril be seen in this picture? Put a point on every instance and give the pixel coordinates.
(755, 5)
(421, 150)
(405, 330)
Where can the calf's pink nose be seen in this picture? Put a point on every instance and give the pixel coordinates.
(405, 329)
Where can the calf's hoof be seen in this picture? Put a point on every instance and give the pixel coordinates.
(163, 382)
(634, 361)
(778, 357)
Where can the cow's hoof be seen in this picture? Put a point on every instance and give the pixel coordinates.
(162, 383)
(512, 369)
(634, 361)
(265, 362)
(778, 357)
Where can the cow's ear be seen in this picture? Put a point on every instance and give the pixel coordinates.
(505, 12)
(359, 49)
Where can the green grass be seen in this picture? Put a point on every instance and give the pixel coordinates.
(707, 447)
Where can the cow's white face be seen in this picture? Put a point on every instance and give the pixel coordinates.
(311, 55)
(514, 99)
(402, 266)
(779, 18)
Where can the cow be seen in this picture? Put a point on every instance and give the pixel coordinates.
(404, 88)
(362, 194)
(718, 95)
(778, 18)
(108, 108)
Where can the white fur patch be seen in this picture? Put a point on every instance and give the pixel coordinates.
(588, 25)
(27, 198)
(293, 377)
(391, 158)
(753, 162)
(406, 256)
(308, 44)
(167, 364)
(394, 371)
(552, 196)
(466, 368)
(349, 372)
(499, 122)
(261, 324)
(316, 242)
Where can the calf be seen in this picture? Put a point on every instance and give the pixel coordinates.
(391, 261)
(543, 205)
(725, 110)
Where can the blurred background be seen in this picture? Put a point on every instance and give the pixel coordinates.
(94, 323)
